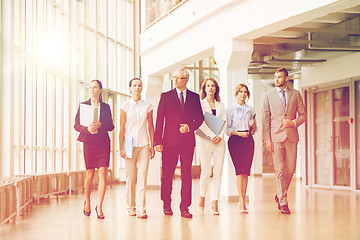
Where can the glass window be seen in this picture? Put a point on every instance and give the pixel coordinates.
(158, 8)
(56, 54)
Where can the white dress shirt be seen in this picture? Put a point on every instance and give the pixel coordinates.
(285, 90)
(96, 109)
(136, 121)
(184, 93)
(286, 97)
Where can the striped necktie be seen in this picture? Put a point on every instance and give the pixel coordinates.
(283, 98)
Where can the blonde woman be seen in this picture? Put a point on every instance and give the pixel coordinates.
(211, 152)
(136, 121)
(241, 126)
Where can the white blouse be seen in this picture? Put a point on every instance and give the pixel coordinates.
(238, 118)
(136, 121)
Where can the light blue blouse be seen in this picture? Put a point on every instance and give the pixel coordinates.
(238, 118)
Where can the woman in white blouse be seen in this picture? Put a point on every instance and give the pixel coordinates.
(212, 148)
(241, 126)
(136, 122)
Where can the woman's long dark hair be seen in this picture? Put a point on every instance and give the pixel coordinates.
(100, 86)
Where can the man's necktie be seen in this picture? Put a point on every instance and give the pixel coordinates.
(182, 102)
(283, 98)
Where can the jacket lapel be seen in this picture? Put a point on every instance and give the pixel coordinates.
(278, 99)
(288, 98)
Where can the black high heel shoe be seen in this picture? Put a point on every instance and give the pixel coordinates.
(85, 212)
(99, 216)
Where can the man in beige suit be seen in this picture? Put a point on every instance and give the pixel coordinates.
(283, 113)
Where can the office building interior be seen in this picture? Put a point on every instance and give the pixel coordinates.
(52, 49)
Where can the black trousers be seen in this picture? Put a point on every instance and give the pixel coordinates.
(170, 158)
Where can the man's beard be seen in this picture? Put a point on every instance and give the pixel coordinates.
(280, 85)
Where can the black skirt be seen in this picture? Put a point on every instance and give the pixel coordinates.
(242, 152)
(96, 156)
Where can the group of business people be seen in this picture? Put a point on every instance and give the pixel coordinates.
(180, 113)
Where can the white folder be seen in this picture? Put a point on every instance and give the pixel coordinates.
(128, 146)
(88, 114)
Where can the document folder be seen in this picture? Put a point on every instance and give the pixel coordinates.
(214, 123)
(202, 134)
(128, 146)
(88, 114)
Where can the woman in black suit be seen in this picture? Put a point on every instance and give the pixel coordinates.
(96, 146)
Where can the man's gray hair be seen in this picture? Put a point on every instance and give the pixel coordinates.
(185, 72)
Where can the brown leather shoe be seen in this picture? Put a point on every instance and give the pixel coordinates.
(168, 211)
(186, 214)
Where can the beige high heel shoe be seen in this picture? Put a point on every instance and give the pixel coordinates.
(245, 211)
(202, 203)
(215, 207)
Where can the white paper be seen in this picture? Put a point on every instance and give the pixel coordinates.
(87, 114)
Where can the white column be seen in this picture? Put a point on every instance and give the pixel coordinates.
(7, 89)
(232, 58)
(152, 89)
(256, 100)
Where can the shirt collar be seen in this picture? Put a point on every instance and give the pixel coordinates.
(133, 102)
(178, 91)
(243, 106)
(279, 89)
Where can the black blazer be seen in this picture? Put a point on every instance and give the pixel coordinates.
(102, 137)
(170, 115)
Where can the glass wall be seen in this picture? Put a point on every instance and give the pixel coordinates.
(57, 47)
(158, 8)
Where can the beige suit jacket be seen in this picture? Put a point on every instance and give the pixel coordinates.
(273, 113)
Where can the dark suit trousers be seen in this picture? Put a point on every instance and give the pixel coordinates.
(170, 157)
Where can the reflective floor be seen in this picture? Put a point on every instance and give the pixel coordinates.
(316, 214)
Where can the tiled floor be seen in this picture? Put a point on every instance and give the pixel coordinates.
(316, 214)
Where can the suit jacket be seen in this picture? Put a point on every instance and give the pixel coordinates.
(102, 137)
(170, 116)
(220, 112)
(273, 113)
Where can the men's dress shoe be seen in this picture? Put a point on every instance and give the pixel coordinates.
(85, 212)
(168, 211)
(277, 200)
(186, 214)
(285, 209)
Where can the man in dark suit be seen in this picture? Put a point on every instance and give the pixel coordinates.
(283, 113)
(179, 115)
